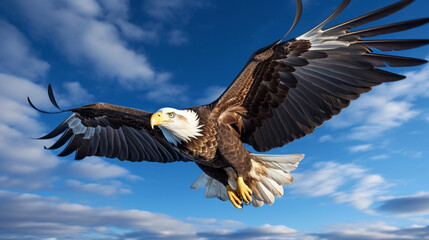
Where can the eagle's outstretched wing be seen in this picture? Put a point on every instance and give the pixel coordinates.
(112, 131)
(290, 87)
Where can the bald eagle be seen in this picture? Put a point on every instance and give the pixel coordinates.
(283, 93)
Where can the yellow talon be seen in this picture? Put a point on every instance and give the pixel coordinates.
(243, 190)
(232, 195)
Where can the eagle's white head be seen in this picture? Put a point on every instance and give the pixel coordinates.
(177, 125)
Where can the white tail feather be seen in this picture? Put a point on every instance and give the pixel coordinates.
(277, 174)
(257, 203)
(272, 186)
(266, 194)
(269, 185)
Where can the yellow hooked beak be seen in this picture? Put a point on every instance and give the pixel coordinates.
(156, 119)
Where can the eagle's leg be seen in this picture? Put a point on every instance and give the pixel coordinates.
(232, 195)
(243, 190)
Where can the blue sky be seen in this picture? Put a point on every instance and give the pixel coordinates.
(364, 174)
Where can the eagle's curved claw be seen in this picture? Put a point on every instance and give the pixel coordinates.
(243, 190)
(232, 195)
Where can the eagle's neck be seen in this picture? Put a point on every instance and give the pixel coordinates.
(185, 128)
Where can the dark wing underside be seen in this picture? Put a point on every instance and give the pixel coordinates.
(289, 88)
(112, 131)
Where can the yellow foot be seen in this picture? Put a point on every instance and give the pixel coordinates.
(232, 195)
(243, 190)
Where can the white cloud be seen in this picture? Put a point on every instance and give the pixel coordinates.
(87, 32)
(360, 148)
(364, 192)
(386, 107)
(345, 183)
(24, 164)
(325, 138)
(75, 94)
(372, 231)
(163, 92)
(326, 179)
(97, 168)
(15, 54)
(48, 217)
(109, 189)
(378, 157)
(54, 217)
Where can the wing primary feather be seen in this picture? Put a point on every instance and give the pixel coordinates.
(72, 145)
(139, 144)
(310, 90)
(385, 29)
(307, 112)
(341, 83)
(331, 17)
(367, 18)
(267, 135)
(134, 154)
(123, 155)
(330, 88)
(52, 97)
(57, 131)
(381, 60)
(63, 139)
(297, 17)
(298, 116)
(39, 110)
(110, 138)
(83, 150)
(116, 143)
(148, 142)
(393, 45)
(104, 143)
(95, 143)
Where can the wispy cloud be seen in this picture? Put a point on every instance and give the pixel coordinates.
(345, 183)
(364, 193)
(172, 10)
(177, 37)
(325, 138)
(75, 94)
(378, 157)
(16, 56)
(360, 148)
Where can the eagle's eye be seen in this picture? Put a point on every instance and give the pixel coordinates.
(171, 114)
